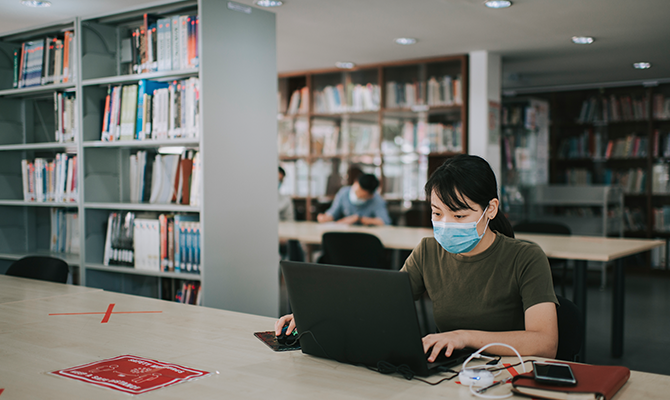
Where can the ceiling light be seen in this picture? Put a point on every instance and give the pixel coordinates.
(582, 39)
(642, 65)
(268, 3)
(33, 3)
(405, 40)
(345, 64)
(498, 3)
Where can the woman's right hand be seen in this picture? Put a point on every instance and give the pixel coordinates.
(281, 322)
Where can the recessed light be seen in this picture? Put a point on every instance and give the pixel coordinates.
(498, 3)
(345, 64)
(33, 3)
(582, 39)
(642, 65)
(268, 3)
(405, 40)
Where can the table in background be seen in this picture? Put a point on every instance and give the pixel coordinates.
(581, 249)
(33, 343)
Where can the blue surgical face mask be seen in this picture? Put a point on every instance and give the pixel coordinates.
(355, 200)
(458, 237)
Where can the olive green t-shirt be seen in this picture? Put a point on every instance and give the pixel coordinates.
(489, 291)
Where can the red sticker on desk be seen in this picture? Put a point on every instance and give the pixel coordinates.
(130, 374)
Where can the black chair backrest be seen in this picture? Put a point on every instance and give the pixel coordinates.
(40, 267)
(570, 332)
(554, 228)
(353, 249)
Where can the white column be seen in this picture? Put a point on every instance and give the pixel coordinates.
(484, 87)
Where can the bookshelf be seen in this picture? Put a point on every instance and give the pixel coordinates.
(398, 120)
(234, 60)
(29, 124)
(616, 136)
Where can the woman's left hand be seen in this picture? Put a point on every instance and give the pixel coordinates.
(446, 342)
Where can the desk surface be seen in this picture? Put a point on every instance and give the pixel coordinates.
(588, 248)
(33, 343)
(13, 289)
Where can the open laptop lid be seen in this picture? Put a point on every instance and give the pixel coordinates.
(356, 315)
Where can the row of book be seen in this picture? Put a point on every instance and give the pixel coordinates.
(299, 103)
(661, 145)
(422, 137)
(614, 109)
(65, 117)
(190, 292)
(632, 181)
(660, 178)
(328, 138)
(594, 145)
(64, 231)
(50, 179)
(169, 243)
(443, 91)
(661, 106)
(152, 110)
(164, 44)
(352, 98)
(405, 176)
(165, 178)
(45, 61)
(662, 219)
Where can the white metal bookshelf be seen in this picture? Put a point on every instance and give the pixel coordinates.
(237, 70)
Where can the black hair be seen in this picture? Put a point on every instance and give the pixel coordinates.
(281, 171)
(368, 182)
(472, 177)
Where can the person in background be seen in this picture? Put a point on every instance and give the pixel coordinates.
(285, 202)
(358, 204)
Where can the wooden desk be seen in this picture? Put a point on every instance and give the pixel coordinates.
(33, 343)
(578, 248)
(14, 289)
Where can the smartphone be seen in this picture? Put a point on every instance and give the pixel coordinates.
(554, 373)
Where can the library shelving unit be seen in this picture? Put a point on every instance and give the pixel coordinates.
(237, 208)
(28, 124)
(398, 120)
(616, 136)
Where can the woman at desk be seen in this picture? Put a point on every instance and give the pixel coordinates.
(485, 285)
(358, 204)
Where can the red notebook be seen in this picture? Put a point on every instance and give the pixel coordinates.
(593, 382)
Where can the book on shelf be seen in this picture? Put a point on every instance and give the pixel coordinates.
(189, 293)
(363, 138)
(178, 241)
(164, 178)
(152, 110)
(436, 91)
(660, 181)
(45, 61)
(64, 231)
(293, 137)
(299, 102)
(50, 180)
(169, 43)
(630, 146)
(65, 117)
(661, 145)
(119, 248)
(146, 244)
(661, 107)
(421, 137)
(325, 137)
(352, 98)
(612, 108)
(662, 219)
(597, 382)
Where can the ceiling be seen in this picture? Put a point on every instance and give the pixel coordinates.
(533, 36)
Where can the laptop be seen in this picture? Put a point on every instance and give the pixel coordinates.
(359, 316)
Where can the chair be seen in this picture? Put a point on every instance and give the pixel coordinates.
(353, 249)
(40, 267)
(570, 330)
(553, 228)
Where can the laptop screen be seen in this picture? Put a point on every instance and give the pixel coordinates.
(355, 315)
